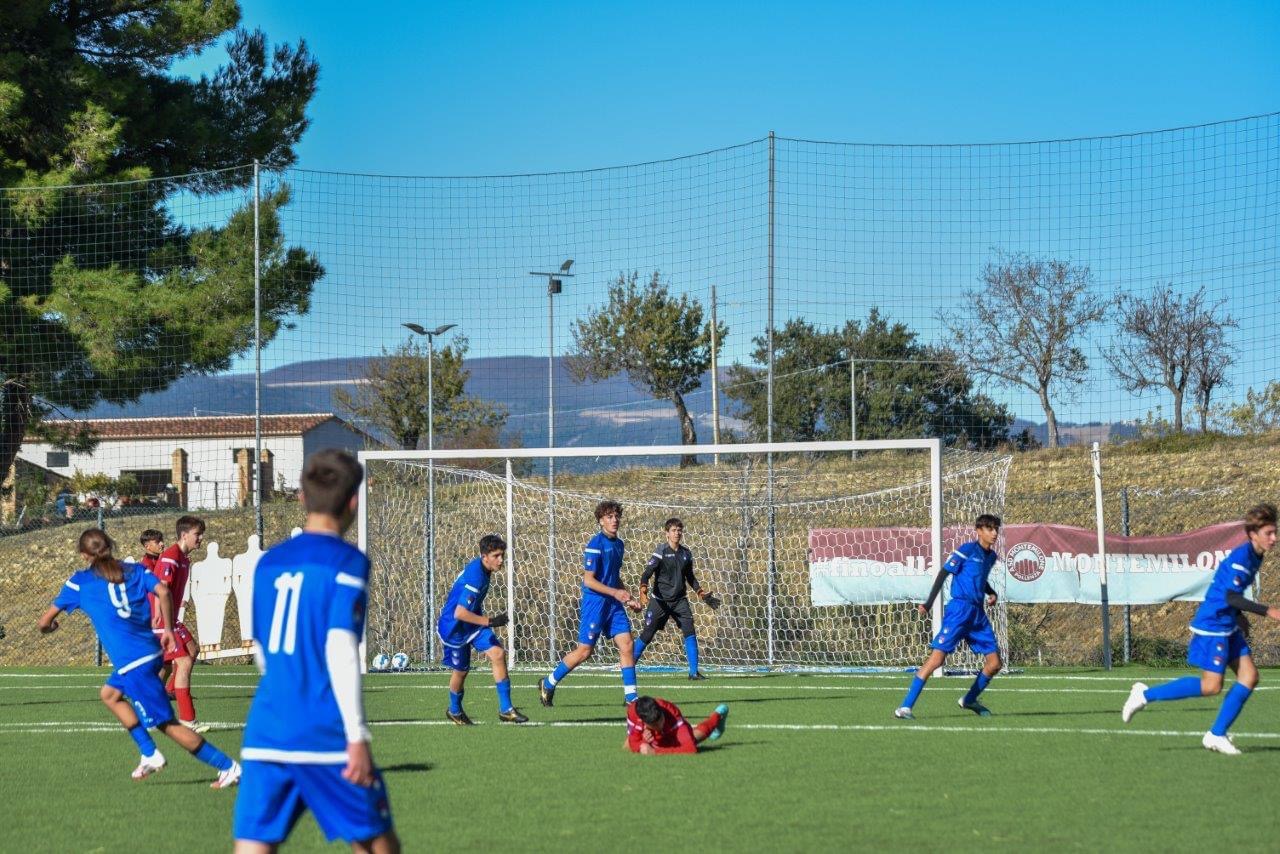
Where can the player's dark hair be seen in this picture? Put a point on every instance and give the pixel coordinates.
(492, 543)
(673, 522)
(151, 535)
(648, 710)
(604, 508)
(329, 480)
(1259, 517)
(98, 546)
(988, 520)
(189, 523)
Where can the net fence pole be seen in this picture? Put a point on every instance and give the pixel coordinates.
(551, 473)
(772, 565)
(715, 382)
(1096, 454)
(853, 404)
(511, 566)
(257, 352)
(429, 604)
(97, 655)
(1128, 609)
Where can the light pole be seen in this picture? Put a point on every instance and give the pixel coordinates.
(429, 594)
(554, 283)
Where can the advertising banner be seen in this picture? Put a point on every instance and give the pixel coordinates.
(1039, 563)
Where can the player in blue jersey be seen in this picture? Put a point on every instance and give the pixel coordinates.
(306, 743)
(965, 618)
(603, 609)
(113, 595)
(1220, 635)
(463, 626)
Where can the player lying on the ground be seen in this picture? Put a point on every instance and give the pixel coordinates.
(114, 597)
(655, 725)
(1220, 635)
(306, 743)
(671, 568)
(463, 626)
(964, 618)
(603, 608)
(173, 567)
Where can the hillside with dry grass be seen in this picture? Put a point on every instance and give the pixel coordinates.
(1173, 484)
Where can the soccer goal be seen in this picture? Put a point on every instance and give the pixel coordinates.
(819, 550)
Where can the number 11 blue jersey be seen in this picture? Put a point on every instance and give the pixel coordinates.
(302, 588)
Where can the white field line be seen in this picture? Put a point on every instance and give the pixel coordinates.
(998, 687)
(72, 727)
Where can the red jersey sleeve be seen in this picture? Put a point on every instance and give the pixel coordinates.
(677, 736)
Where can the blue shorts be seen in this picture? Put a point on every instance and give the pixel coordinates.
(145, 691)
(1214, 653)
(966, 621)
(273, 796)
(601, 616)
(459, 657)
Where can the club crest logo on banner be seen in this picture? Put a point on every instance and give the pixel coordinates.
(1025, 562)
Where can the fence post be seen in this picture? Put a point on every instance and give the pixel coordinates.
(1124, 529)
(1102, 556)
(97, 656)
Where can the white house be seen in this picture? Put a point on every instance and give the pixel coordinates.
(202, 462)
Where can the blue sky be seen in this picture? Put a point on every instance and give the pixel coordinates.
(449, 89)
(432, 88)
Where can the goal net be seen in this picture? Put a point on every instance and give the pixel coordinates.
(760, 521)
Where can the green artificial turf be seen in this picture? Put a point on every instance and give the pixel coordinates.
(809, 762)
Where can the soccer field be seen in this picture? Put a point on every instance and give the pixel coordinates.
(808, 762)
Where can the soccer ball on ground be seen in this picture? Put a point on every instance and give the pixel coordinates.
(380, 662)
(399, 661)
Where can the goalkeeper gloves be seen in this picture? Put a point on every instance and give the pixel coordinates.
(711, 600)
(499, 620)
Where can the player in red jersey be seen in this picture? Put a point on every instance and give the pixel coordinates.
(152, 542)
(174, 568)
(655, 725)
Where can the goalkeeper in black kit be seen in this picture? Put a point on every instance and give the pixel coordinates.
(671, 568)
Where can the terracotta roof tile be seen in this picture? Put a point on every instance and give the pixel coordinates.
(199, 427)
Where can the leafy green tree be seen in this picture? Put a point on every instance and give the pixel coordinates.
(87, 98)
(904, 388)
(659, 340)
(392, 397)
(1259, 412)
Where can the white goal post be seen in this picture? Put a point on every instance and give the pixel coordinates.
(422, 512)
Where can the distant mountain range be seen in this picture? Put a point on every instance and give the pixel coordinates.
(608, 412)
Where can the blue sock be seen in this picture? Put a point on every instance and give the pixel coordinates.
(637, 649)
(1231, 706)
(455, 702)
(979, 685)
(691, 653)
(1178, 689)
(629, 683)
(913, 693)
(210, 755)
(562, 670)
(142, 738)
(504, 695)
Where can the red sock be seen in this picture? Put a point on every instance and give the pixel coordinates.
(168, 686)
(186, 708)
(708, 725)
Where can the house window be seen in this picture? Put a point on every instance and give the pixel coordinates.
(57, 459)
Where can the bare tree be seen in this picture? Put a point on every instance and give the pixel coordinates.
(1020, 328)
(1172, 342)
(1210, 366)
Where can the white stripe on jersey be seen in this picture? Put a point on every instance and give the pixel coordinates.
(1209, 634)
(295, 757)
(72, 584)
(349, 580)
(472, 589)
(138, 662)
(1239, 567)
(592, 551)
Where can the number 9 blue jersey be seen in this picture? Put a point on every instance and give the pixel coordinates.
(302, 588)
